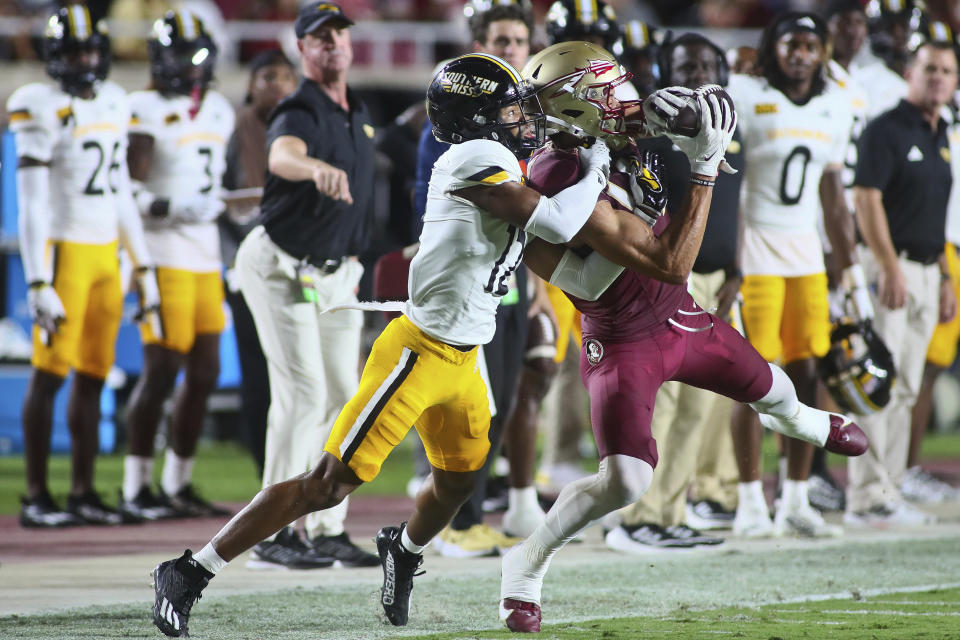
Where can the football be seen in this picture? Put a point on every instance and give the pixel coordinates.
(687, 122)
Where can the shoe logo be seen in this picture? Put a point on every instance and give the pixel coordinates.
(594, 351)
(389, 581)
(168, 614)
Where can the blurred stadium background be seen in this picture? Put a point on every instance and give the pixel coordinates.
(397, 44)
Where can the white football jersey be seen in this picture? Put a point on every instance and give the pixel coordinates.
(884, 87)
(466, 256)
(786, 147)
(953, 205)
(85, 144)
(189, 158)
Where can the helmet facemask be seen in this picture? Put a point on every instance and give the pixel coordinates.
(516, 120)
(578, 91)
(79, 63)
(179, 63)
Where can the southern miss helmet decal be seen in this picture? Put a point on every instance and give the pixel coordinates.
(463, 84)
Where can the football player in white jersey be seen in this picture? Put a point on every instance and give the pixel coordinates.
(75, 202)
(178, 135)
(422, 370)
(795, 132)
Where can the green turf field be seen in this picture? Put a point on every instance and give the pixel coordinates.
(883, 589)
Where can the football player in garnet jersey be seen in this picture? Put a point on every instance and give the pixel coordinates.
(640, 325)
(74, 196)
(178, 137)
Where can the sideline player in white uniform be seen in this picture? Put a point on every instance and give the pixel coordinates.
(74, 195)
(795, 133)
(178, 135)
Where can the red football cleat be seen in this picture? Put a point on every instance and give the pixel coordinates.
(846, 437)
(520, 616)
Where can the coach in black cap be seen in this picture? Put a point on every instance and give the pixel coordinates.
(315, 14)
(315, 218)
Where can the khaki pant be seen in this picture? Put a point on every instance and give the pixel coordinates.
(692, 429)
(875, 476)
(312, 360)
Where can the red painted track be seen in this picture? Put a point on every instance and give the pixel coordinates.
(367, 514)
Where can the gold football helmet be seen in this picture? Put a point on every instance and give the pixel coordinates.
(576, 83)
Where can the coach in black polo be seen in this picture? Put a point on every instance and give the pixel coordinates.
(901, 188)
(316, 213)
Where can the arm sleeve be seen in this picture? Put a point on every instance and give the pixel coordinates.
(33, 222)
(585, 278)
(875, 158)
(559, 218)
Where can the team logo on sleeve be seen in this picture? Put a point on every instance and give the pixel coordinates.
(594, 351)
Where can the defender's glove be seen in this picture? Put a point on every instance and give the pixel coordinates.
(149, 311)
(855, 283)
(649, 191)
(718, 121)
(596, 157)
(46, 309)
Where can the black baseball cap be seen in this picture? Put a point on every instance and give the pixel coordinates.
(315, 14)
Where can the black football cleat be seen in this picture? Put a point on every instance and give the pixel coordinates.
(399, 568)
(91, 509)
(42, 512)
(344, 552)
(177, 585)
(187, 503)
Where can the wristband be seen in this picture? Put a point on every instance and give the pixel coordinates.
(733, 272)
(701, 181)
(36, 284)
(944, 276)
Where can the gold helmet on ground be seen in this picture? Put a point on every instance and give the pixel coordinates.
(576, 83)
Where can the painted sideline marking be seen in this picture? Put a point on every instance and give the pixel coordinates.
(843, 595)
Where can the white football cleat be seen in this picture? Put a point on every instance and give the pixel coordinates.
(753, 521)
(802, 520)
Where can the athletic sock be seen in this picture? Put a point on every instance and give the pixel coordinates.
(794, 493)
(751, 493)
(137, 474)
(209, 559)
(523, 499)
(409, 544)
(177, 472)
